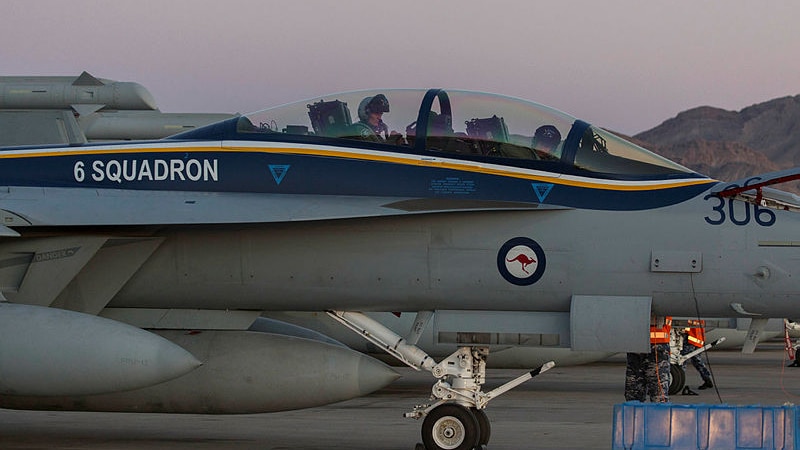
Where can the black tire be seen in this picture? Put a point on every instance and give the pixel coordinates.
(450, 427)
(484, 426)
(678, 379)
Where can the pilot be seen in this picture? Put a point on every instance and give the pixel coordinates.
(547, 139)
(370, 125)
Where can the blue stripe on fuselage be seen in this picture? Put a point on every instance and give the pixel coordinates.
(253, 170)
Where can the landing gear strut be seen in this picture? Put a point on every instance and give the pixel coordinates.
(455, 420)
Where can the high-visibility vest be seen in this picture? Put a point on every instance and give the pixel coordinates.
(660, 335)
(696, 335)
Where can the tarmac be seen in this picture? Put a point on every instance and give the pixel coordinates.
(564, 408)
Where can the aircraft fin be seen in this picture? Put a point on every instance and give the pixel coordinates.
(35, 271)
(106, 273)
(86, 79)
(7, 232)
(85, 110)
(754, 334)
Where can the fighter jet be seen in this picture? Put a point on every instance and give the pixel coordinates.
(63, 109)
(498, 221)
(76, 110)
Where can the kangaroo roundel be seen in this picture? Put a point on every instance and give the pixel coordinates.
(521, 261)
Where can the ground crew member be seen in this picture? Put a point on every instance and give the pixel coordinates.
(790, 324)
(694, 337)
(647, 374)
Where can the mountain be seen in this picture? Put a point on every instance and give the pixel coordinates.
(729, 145)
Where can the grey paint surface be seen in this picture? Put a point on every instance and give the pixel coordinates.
(214, 251)
(70, 110)
(242, 372)
(565, 408)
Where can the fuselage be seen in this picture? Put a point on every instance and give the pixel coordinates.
(449, 261)
(502, 223)
(288, 210)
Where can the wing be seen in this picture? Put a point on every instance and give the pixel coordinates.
(60, 285)
(39, 127)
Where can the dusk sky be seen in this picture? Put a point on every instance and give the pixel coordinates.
(624, 65)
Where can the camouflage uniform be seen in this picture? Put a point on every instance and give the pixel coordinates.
(697, 361)
(635, 379)
(647, 374)
(658, 375)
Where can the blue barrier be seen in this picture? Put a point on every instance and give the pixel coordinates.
(668, 426)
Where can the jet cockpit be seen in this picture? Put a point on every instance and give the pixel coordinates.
(455, 124)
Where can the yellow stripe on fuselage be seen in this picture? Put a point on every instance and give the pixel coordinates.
(364, 155)
(478, 168)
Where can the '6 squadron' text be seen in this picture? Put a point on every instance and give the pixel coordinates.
(130, 170)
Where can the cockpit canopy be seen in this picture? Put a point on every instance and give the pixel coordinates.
(462, 125)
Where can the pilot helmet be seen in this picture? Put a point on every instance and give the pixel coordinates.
(547, 135)
(376, 104)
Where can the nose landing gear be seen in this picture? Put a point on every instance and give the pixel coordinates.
(456, 419)
(450, 426)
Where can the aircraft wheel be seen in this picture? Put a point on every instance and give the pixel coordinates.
(450, 427)
(484, 426)
(678, 379)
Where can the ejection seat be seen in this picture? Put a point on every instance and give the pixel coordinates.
(330, 119)
(491, 137)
